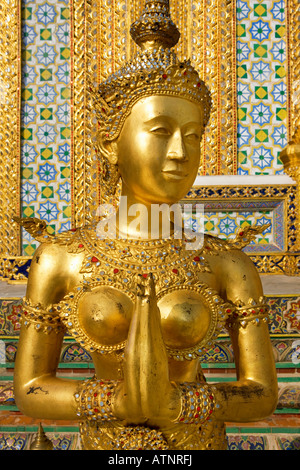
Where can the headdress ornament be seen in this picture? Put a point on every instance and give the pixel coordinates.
(155, 69)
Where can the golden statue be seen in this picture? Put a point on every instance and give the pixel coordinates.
(146, 307)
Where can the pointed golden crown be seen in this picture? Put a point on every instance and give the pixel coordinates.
(154, 70)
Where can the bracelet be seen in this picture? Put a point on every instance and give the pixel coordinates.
(253, 312)
(197, 403)
(44, 320)
(94, 399)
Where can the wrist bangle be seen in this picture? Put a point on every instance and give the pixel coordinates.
(94, 399)
(197, 403)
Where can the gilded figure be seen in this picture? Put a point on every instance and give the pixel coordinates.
(146, 308)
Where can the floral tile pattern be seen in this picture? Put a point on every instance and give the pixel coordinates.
(262, 88)
(45, 115)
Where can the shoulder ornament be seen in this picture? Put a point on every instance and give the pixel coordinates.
(39, 231)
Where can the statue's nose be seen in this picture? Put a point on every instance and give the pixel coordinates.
(176, 148)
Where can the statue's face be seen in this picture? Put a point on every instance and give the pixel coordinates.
(159, 149)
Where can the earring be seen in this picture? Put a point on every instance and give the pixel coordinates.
(109, 179)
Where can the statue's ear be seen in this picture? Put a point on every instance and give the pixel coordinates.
(109, 149)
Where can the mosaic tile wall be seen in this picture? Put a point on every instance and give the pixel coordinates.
(262, 86)
(46, 139)
(45, 187)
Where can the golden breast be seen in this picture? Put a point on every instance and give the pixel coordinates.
(105, 313)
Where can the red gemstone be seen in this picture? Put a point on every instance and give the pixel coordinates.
(196, 416)
(228, 310)
(197, 394)
(145, 275)
(116, 271)
(95, 394)
(108, 394)
(241, 234)
(198, 84)
(94, 259)
(198, 408)
(175, 271)
(96, 410)
(164, 76)
(196, 258)
(80, 245)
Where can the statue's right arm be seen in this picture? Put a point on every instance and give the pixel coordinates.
(38, 391)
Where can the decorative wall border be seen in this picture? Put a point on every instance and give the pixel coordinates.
(283, 262)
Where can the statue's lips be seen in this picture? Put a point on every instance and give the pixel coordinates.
(174, 174)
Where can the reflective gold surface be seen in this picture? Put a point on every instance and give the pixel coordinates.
(146, 308)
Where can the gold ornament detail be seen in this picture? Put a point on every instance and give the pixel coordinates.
(197, 403)
(43, 320)
(252, 312)
(247, 234)
(94, 399)
(115, 436)
(155, 73)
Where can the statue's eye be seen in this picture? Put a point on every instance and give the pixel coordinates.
(160, 130)
(192, 136)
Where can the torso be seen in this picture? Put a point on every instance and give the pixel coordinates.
(99, 309)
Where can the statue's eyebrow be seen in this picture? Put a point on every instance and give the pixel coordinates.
(166, 117)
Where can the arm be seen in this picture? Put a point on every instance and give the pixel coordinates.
(38, 392)
(253, 395)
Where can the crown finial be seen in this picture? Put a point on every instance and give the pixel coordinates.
(155, 28)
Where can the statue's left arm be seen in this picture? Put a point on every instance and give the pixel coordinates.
(253, 395)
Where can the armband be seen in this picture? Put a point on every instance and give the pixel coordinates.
(44, 320)
(253, 312)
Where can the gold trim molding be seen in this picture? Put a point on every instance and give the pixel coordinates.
(10, 106)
